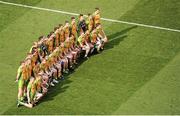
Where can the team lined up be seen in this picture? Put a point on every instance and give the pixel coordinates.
(52, 56)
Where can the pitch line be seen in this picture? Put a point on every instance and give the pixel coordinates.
(105, 19)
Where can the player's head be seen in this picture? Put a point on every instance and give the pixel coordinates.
(22, 63)
(97, 10)
(35, 43)
(81, 17)
(28, 61)
(50, 34)
(98, 26)
(55, 28)
(73, 19)
(66, 23)
(89, 14)
(60, 26)
(40, 38)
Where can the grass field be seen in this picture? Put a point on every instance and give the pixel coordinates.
(137, 73)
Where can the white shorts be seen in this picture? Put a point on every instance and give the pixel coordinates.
(85, 47)
(69, 56)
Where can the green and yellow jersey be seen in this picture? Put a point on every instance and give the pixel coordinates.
(97, 19)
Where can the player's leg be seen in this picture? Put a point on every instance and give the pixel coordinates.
(104, 41)
(38, 96)
(74, 53)
(98, 45)
(87, 49)
(70, 59)
(26, 105)
(65, 65)
(20, 91)
(91, 47)
(54, 70)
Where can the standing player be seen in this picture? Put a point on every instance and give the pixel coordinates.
(90, 22)
(73, 28)
(61, 34)
(50, 44)
(56, 32)
(81, 25)
(66, 30)
(97, 17)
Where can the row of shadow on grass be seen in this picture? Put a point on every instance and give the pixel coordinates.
(114, 39)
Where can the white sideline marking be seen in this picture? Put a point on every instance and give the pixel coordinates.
(105, 19)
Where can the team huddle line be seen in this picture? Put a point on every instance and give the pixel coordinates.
(56, 54)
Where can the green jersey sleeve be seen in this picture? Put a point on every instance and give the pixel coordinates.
(19, 72)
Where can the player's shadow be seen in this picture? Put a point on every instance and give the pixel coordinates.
(58, 89)
(61, 86)
(116, 38)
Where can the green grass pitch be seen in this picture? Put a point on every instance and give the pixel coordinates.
(137, 73)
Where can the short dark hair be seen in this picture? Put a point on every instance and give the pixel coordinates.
(72, 18)
(50, 34)
(60, 25)
(21, 62)
(40, 37)
(97, 8)
(80, 15)
(66, 21)
(55, 28)
(98, 24)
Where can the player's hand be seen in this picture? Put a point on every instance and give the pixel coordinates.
(16, 80)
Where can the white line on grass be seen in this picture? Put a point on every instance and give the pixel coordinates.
(105, 19)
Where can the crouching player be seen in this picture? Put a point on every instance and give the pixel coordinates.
(88, 41)
(57, 64)
(67, 53)
(96, 42)
(63, 60)
(33, 90)
(84, 45)
(101, 35)
(74, 50)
